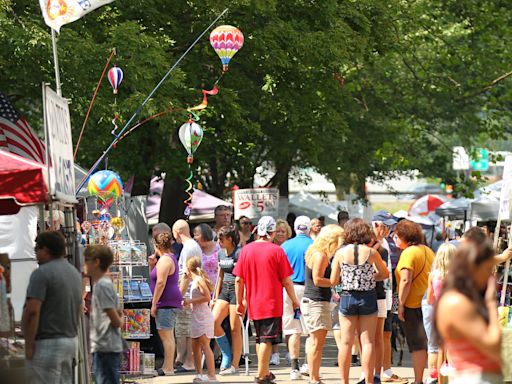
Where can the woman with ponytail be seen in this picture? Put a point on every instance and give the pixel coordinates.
(467, 316)
(202, 319)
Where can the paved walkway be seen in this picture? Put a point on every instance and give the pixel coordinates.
(330, 373)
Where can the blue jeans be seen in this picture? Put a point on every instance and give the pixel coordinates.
(53, 361)
(106, 367)
(428, 323)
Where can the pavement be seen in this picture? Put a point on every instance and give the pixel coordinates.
(330, 373)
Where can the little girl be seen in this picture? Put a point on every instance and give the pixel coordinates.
(435, 284)
(202, 319)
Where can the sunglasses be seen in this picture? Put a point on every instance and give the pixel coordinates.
(245, 223)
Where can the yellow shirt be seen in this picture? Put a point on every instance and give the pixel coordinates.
(418, 259)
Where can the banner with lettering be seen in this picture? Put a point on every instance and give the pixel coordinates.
(256, 202)
(56, 13)
(60, 146)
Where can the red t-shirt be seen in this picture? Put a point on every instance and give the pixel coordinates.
(263, 266)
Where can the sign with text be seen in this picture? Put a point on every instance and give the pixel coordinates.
(505, 189)
(60, 146)
(256, 202)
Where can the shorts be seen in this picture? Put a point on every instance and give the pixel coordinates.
(414, 330)
(388, 323)
(382, 309)
(317, 315)
(183, 323)
(358, 303)
(227, 293)
(166, 318)
(292, 326)
(428, 322)
(269, 330)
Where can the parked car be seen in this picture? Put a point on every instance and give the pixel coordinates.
(427, 189)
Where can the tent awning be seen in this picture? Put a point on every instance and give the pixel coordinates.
(22, 182)
(457, 209)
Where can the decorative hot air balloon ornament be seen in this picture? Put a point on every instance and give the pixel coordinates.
(106, 186)
(115, 77)
(226, 40)
(191, 135)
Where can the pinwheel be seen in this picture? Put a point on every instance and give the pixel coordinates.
(226, 40)
(190, 135)
(115, 77)
(106, 186)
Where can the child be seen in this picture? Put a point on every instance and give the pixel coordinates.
(106, 341)
(435, 284)
(202, 319)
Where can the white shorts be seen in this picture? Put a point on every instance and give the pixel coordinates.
(292, 326)
(382, 309)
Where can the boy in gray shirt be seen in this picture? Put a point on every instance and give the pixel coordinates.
(106, 318)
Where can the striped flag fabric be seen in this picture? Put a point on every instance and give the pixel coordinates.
(16, 136)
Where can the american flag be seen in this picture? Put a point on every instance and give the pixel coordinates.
(16, 136)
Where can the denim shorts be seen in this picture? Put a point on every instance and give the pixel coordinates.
(358, 303)
(166, 318)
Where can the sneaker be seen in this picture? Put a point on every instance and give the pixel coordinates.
(355, 361)
(274, 359)
(304, 370)
(393, 379)
(295, 375)
(265, 380)
(228, 371)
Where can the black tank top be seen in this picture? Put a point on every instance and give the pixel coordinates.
(313, 292)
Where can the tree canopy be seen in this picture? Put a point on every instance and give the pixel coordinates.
(354, 89)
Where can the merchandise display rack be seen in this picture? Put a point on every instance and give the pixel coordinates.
(132, 288)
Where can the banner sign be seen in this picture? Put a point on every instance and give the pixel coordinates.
(56, 13)
(256, 202)
(60, 146)
(505, 189)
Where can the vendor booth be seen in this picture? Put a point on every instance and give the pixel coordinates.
(23, 186)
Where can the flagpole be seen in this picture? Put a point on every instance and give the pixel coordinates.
(141, 107)
(56, 63)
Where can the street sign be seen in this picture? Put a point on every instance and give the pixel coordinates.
(481, 161)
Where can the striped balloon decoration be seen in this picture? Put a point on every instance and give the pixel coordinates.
(226, 40)
(115, 77)
(106, 186)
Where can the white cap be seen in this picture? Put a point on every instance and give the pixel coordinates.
(302, 225)
(266, 225)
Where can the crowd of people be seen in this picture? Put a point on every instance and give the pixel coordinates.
(292, 279)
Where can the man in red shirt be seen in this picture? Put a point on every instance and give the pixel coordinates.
(263, 269)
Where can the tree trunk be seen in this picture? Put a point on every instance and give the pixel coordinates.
(173, 195)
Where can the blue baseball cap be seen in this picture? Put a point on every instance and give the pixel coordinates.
(385, 217)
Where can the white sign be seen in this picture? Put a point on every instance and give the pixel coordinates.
(56, 13)
(460, 159)
(60, 146)
(505, 189)
(256, 202)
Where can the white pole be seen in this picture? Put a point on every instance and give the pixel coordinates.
(56, 63)
(47, 157)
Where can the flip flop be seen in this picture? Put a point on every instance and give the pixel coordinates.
(161, 372)
(182, 369)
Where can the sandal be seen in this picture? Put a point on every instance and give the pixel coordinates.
(161, 372)
(182, 369)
